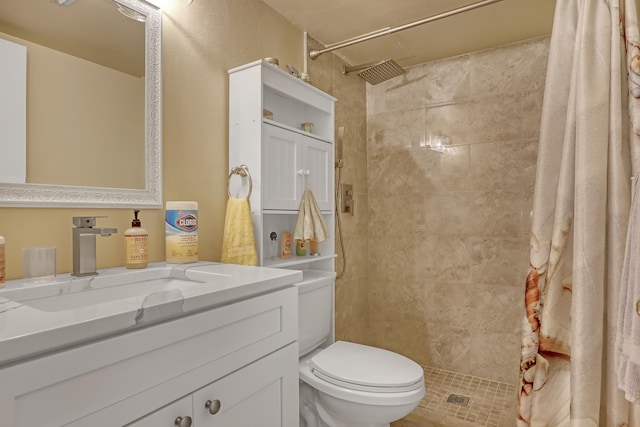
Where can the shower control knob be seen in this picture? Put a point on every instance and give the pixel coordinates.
(183, 422)
(213, 406)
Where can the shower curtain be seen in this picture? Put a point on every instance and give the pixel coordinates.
(587, 152)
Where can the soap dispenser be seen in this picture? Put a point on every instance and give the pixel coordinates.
(136, 244)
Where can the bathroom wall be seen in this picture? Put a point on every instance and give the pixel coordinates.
(352, 289)
(448, 231)
(200, 43)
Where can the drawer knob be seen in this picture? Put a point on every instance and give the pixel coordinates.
(213, 406)
(638, 307)
(183, 422)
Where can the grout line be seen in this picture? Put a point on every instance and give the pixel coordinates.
(489, 401)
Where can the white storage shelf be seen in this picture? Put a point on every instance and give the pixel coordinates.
(292, 112)
(286, 221)
(282, 158)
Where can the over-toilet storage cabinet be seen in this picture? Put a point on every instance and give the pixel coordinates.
(242, 355)
(267, 107)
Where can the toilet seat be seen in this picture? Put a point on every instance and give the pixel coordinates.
(364, 368)
(385, 395)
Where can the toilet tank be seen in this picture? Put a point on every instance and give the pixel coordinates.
(315, 309)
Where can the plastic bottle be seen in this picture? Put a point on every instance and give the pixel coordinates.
(181, 228)
(136, 244)
(286, 245)
(2, 267)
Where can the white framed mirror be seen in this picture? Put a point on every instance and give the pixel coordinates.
(115, 146)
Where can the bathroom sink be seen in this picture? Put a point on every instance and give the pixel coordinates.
(154, 285)
(70, 310)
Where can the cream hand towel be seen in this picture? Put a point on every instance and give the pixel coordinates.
(238, 242)
(627, 349)
(310, 223)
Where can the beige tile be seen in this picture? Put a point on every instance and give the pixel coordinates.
(447, 348)
(391, 131)
(396, 214)
(531, 113)
(428, 84)
(496, 356)
(451, 214)
(499, 261)
(320, 70)
(508, 69)
(409, 345)
(496, 309)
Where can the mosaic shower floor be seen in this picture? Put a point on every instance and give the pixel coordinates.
(459, 400)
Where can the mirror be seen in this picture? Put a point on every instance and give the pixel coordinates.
(116, 129)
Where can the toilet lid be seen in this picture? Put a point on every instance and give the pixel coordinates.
(360, 367)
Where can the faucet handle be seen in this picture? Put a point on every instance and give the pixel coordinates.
(86, 221)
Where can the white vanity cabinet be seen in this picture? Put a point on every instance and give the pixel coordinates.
(242, 357)
(267, 108)
(252, 396)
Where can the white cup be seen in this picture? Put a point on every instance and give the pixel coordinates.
(39, 264)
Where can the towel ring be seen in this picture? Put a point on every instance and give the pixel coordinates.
(242, 170)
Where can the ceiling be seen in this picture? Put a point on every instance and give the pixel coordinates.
(327, 21)
(333, 21)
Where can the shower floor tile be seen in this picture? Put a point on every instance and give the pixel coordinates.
(459, 400)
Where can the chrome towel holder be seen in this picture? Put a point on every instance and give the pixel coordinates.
(242, 171)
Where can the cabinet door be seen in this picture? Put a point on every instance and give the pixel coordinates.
(263, 394)
(178, 413)
(317, 169)
(282, 157)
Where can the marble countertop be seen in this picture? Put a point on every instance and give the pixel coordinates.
(38, 318)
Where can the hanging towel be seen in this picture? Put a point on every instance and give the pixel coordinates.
(310, 223)
(238, 242)
(627, 350)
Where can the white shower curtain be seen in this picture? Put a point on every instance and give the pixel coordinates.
(580, 216)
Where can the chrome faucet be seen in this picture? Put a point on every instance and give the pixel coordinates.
(84, 244)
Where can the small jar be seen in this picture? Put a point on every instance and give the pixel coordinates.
(301, 248)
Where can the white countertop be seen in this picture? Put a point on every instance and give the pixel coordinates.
(33, 321)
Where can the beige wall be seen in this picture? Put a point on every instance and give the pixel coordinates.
(352, 289)
(448, 233)
(200, 43)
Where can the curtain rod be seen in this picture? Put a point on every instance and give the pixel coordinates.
(315, 53)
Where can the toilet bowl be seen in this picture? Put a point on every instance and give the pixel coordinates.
(356, 385)
(345, 384)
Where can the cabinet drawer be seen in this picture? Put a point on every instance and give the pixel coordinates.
(73, 386)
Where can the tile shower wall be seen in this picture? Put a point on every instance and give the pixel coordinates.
(352, 288)
(448, 230)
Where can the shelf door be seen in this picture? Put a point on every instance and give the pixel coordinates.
(282, 156)
(318, 167)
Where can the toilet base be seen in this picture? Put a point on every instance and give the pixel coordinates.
(313, 414)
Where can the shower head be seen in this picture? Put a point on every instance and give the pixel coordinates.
(376, 72)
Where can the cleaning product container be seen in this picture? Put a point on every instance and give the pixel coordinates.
(181, 227)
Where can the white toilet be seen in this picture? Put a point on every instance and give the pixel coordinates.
(346, 384)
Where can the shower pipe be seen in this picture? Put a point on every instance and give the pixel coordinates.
(315, 53)
(339, 166)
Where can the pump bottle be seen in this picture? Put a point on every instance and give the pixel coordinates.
(136, 244)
